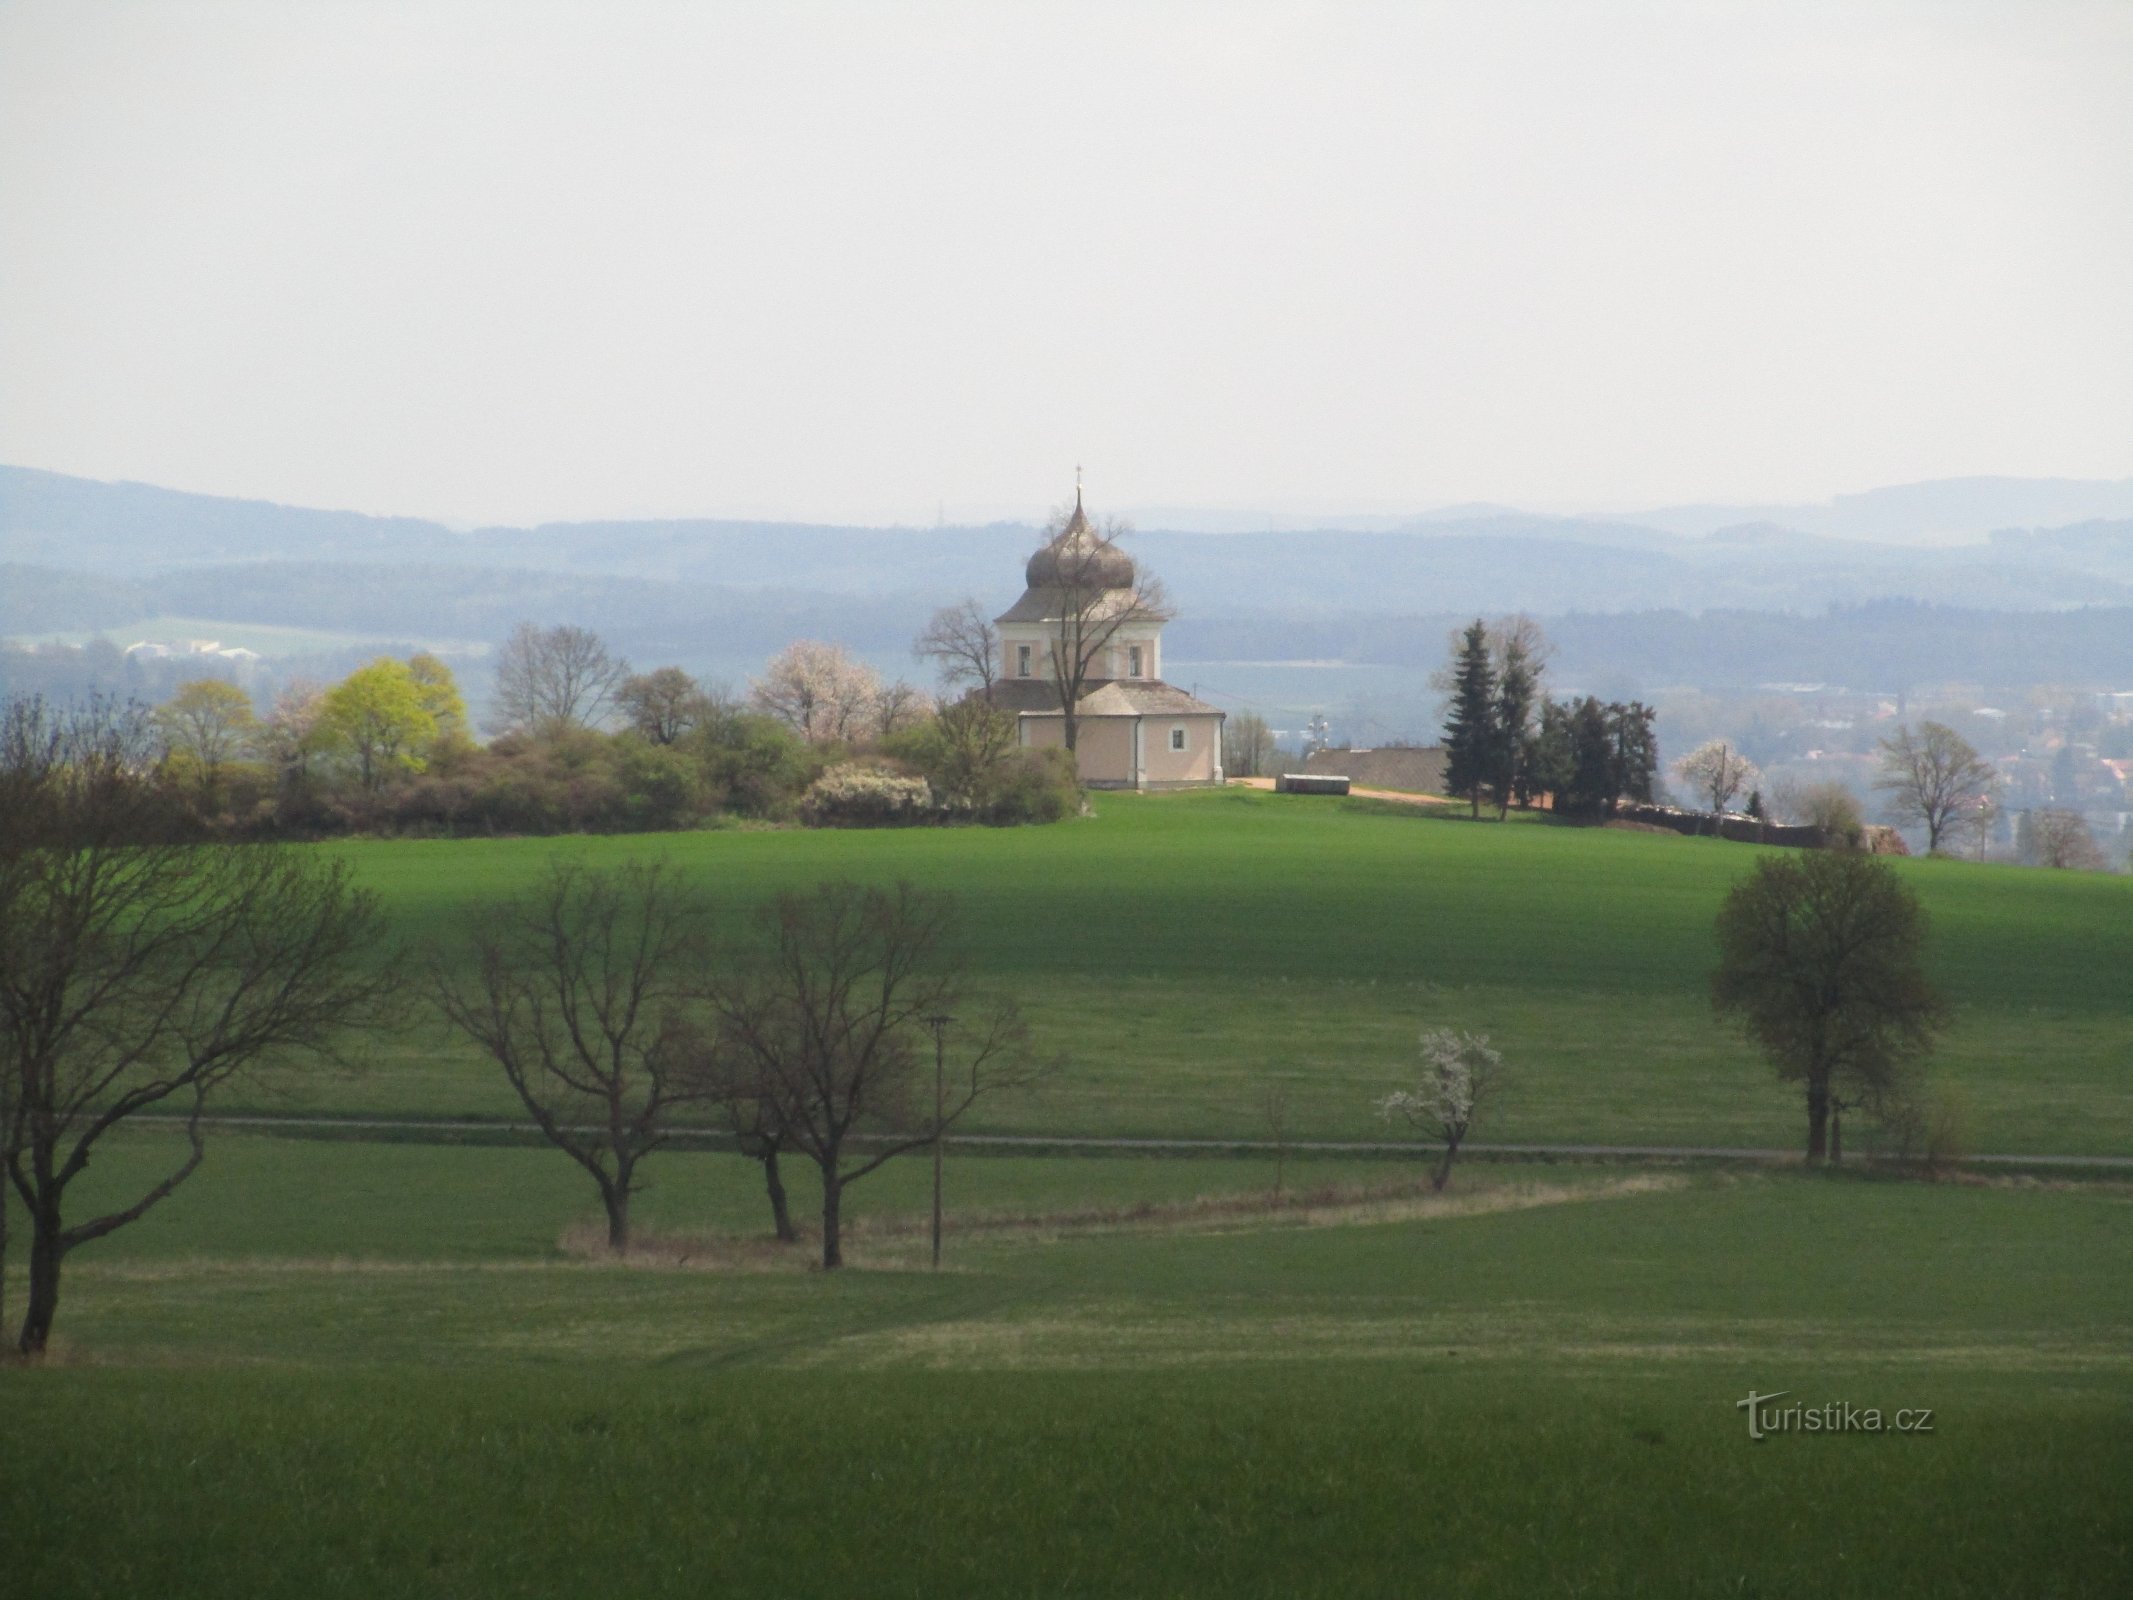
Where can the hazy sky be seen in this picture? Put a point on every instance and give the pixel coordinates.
(509, 261)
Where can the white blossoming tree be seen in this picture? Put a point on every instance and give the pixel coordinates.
(1460, 1072)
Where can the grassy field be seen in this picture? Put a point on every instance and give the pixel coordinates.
(363, 1367)
(1184, 949)
(1526, 1387)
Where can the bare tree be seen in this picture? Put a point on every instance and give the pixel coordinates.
(574, 994)
(663, 705)
(825, 1028)
(137, 969)
(963, 646)
(898, 706)
(1091, 591)
(820, 692)
(1934, 777)
(1247, 746)
(292, 733)
(549, 680)
(1460, 1074)
(1715, 772)
(2054, 838)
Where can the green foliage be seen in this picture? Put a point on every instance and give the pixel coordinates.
(1820, 962)
(378, 719)
(1470, 727)
(208, 723)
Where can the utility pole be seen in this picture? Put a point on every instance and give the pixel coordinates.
(939, 1022)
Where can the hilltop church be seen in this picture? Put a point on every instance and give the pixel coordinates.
(1083, 603)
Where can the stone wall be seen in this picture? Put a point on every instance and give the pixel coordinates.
(1877, 841)
(1409, 769)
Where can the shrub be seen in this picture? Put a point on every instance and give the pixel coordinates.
(867, 795)
(1030, 786)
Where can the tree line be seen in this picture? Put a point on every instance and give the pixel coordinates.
(580, 742)
(144, 967)
(1507, 743)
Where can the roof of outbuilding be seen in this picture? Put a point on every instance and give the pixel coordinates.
(1119, 697)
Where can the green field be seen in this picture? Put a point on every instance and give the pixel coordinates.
(353, 1368)
(368, 1367)
(1184, 949)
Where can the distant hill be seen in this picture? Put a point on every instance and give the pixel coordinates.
(78, 556)
(1942, 511)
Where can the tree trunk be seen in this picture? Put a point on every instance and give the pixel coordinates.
(616, 1197)
(780, 1213)
(832, 1202)
(45, 1254)
(1817, 1118)
(1836, 1132)
(1442, 1174)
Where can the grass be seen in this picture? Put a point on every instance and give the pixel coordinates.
(1533, 1392)
(1214, 941)
(372, 1368)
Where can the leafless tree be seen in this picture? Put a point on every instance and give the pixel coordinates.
(2055, 838)
(1934, 777)
(898, 706)
(290, 736)
(963, 646)
(820, 692)
(825, 1029)
(663, 705)
(549, 680)
(138, 969)
(1247, 746)
(574, 993)
(1092, 590)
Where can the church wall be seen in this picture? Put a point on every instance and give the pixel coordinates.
(1195, 763)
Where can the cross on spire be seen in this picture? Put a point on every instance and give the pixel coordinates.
(1077, 486)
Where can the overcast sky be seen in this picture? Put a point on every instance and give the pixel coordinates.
(513, 261)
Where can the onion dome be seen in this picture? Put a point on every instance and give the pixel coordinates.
(1079, 558)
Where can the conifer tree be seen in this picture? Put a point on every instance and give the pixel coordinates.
(1470, 731)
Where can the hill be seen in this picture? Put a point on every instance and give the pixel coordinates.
(1186, 949)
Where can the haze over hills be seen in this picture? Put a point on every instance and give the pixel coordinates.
(80, 557)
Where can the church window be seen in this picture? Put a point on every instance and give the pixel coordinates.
(1021, 660)
(1177, 738)
(1133, 661)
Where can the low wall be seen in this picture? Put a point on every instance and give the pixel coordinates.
(1410, 769)
(1311, 783)
(1877, 841)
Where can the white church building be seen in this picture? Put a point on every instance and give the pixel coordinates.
(1133, 730)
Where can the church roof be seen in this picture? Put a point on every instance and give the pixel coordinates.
(1117, 697)
(1079, 558)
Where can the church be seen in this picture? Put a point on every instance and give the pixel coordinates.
(1085, 623)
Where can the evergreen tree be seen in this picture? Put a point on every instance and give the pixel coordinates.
(1590, 787)
(1470, 736)
(1517, 681)
(1549, 765)
(1636, 753)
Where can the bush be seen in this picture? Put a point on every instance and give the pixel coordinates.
(1030, 786)
(868, 795)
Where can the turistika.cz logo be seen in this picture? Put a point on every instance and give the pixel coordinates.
(1766, 1417)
